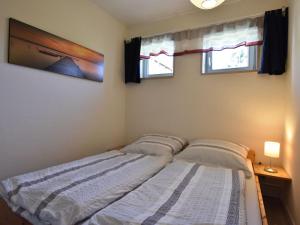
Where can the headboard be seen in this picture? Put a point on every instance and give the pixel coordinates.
(251, 156)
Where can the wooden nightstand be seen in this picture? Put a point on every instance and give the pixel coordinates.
(270, 187)
(272, 184)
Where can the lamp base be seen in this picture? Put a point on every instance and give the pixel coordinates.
(271, 170)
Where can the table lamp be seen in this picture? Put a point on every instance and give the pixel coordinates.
(272, 150)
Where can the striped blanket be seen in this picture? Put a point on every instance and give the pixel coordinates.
(68, 193)
(181, 194)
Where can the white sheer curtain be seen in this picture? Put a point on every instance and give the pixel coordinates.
(246, 32)
(154, 46)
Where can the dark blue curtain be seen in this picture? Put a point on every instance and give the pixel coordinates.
(132, 60)
(274, 55)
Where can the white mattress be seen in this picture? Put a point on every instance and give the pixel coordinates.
(252, 205)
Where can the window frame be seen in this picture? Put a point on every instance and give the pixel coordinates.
(144, 72)
(206, 69)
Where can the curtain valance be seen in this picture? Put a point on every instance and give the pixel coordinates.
(246, 32)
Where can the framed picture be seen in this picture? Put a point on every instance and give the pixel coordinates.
(35, 48)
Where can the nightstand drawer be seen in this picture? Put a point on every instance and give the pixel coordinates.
(271, 187)
(272, 184)
(270, 191)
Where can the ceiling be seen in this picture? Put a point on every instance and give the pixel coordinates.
(133, 12)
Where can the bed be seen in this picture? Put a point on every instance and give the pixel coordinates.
(67, 193)
(115, 211)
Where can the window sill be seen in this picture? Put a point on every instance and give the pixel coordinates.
(158, 76)
(229, 72)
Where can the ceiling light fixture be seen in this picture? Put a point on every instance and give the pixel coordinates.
(207, 4)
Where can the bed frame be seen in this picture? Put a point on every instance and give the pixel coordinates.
(8, 217)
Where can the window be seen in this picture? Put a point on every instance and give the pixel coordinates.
(157, 66)
(230, 60)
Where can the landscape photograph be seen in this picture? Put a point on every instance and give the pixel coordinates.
(35, 48)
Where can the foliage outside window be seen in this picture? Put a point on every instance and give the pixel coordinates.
(230, 60)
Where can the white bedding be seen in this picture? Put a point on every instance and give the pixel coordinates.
(114, 189)
(182, 193)
(156, 144)
(219, 153)
(68, 193)
(121, 212)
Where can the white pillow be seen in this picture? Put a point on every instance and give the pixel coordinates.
(217, 153)
(156, 144)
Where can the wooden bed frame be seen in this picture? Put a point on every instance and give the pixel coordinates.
(8, 217)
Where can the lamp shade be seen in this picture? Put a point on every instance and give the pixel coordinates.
(207, 4)
(272, 149)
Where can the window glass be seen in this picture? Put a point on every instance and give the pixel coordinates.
(230, 60)
(157, 66)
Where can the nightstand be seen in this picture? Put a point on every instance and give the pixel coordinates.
(270, 187)
(272, 184)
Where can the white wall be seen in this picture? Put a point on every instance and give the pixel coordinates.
(46, 118)
(292, 127)
(246, 108)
